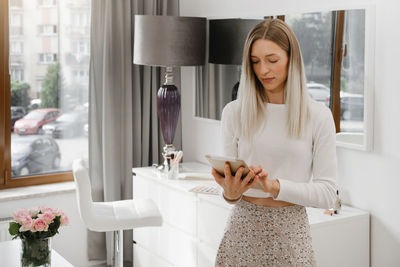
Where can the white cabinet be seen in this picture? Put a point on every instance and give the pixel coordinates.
(193, 226)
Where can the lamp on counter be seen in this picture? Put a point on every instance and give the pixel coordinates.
(227, 38)
(169, 41)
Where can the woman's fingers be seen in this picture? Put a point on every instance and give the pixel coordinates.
(218, 177)
(252, 183)
(263, 177)
(239, 174)
(250, 175)
(227, 170)
(255, 169)
(235, 185)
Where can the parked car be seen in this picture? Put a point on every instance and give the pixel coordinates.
(351, 106)
(67, 125)
(319, 92)
(33, 122)
(34, 154)
(17, 113)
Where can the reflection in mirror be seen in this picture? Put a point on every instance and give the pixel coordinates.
(352, 75)
(314, 33)
(317, 33)
(225, 51)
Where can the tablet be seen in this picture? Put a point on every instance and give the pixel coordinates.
(218, 163)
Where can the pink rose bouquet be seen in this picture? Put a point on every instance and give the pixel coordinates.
(37, 223)
(34, 227)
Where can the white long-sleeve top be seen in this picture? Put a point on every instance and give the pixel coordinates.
(305, 167)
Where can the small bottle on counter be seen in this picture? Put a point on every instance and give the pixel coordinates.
(337, 207)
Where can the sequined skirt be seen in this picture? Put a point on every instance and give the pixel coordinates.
(266, 236)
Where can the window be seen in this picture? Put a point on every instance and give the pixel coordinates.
(39, 85)
(16, 47)
(47, 29)
(80, 76)
(80, 47)
(80, 19)
(16, 23)
(47, 58)
(47, 3)
(15, 4)
(17, 74)
(16, 20)
(44, 105)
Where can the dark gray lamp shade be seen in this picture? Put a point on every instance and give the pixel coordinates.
(227, 38)
(169, 41)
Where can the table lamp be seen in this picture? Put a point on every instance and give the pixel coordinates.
(227, 38)
(169, 41)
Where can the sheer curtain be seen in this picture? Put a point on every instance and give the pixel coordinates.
(123, 126)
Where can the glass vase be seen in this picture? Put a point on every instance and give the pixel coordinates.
(36, 252)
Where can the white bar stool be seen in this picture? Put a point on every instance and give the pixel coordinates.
(113, 216)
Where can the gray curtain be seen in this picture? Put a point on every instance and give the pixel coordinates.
(123, 127)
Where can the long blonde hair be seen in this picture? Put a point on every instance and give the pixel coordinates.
(251, 93)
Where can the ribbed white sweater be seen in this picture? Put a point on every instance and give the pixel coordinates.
(305, 167)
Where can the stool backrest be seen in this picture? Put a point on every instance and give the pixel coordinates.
(83, 189)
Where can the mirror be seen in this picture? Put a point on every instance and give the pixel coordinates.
(217, 81)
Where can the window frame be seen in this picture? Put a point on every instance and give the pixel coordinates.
(337, 57)
(5, 118)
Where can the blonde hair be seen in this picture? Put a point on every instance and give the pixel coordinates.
(251, 93)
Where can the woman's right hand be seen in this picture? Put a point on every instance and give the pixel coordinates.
(234, 186)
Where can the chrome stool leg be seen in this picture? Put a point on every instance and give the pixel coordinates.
(118, 257)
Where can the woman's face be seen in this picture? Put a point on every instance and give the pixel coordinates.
(269, 63)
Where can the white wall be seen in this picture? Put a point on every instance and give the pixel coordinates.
(71, 240)
(367, 180)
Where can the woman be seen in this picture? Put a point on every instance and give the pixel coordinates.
(276, 126)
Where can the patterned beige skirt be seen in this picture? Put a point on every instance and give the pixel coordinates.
(265, 236)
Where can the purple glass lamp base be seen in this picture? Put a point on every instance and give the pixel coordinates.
(168, 107)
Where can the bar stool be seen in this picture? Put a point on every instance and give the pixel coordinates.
(113, 216)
